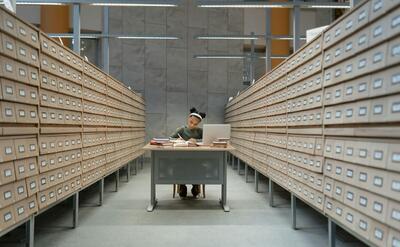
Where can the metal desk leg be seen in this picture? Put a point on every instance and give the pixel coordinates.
(246, 171)
(234, 163)
(128, 168)
(223, 186)
(75, 210)
(293, 208)
(238, 166)
(116, 180)
(153, 200)
(271, 192)
(331, 233)
(141, 162)
(256, 177)
(232, 160)
(30, 232)
(137, 165)
(101, 191)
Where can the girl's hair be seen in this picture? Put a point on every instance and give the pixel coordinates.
(193, 110)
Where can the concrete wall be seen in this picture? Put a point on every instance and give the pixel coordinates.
(166, 73)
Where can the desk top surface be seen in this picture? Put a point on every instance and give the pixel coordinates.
(199, 148)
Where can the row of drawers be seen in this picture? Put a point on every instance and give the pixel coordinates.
(54, 161)
(18, 148)
(18, 50)
(376, 206)
(384, 154)
(62, 101)
(379, 57)
(18, 92)
(59, 143)
(17, 71)
(17, 29)
(53, 66)
(57, 84)
(18, 169)
(378, 181)
(307, 177)
(364, 14)
(376, 84)
(59, 53)
(306, 193)
(377, 32)
(305, 54)
(366, 227)
(95, 73)
(16, 191)
(57, 193)
(54, 177)
(17, 212)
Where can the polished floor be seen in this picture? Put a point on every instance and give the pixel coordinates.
(124, 221)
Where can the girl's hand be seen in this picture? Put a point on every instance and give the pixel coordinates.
(192, 140)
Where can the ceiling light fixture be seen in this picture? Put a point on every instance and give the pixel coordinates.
(223, 37)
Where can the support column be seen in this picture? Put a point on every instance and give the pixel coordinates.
(105, 41)
(331, 233)
(75, 210)
(296, 26)
(271, 192)
(76, 20)
(128, 169)
(268, 43)
(252, 57)
(101, 191)
(293, 201)
(246, 171)
(256, 178)
(30, 232)
(116, 180)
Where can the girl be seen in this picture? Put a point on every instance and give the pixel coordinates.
(191, 132)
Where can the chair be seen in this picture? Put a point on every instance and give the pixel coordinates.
(202, 190)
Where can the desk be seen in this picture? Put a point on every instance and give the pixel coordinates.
(188, 165)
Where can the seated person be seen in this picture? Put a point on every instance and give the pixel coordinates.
(190, 133)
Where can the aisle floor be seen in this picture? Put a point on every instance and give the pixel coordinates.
(124, 221)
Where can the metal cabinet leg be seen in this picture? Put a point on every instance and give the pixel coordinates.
(271, 192)
(101, 191)
(293, 208)
(331, 233)
(256, 178)
(116, 180)
(246, 171)
(30, 232)
(135, 166)
(128, 168)
(75, 210)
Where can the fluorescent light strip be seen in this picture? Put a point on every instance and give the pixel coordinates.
(135, 4)
(330, 6)
(220, 56)
(243, 6)
(40, 3)
(227, 37)
(147, 37)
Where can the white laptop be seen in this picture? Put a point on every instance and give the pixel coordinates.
(211, 132)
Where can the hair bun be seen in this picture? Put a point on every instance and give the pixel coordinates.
(202, 114)
(193, 110)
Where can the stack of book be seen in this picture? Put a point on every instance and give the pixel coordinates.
(220, 144)
(161, 141)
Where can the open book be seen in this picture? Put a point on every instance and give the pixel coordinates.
(183, 143)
